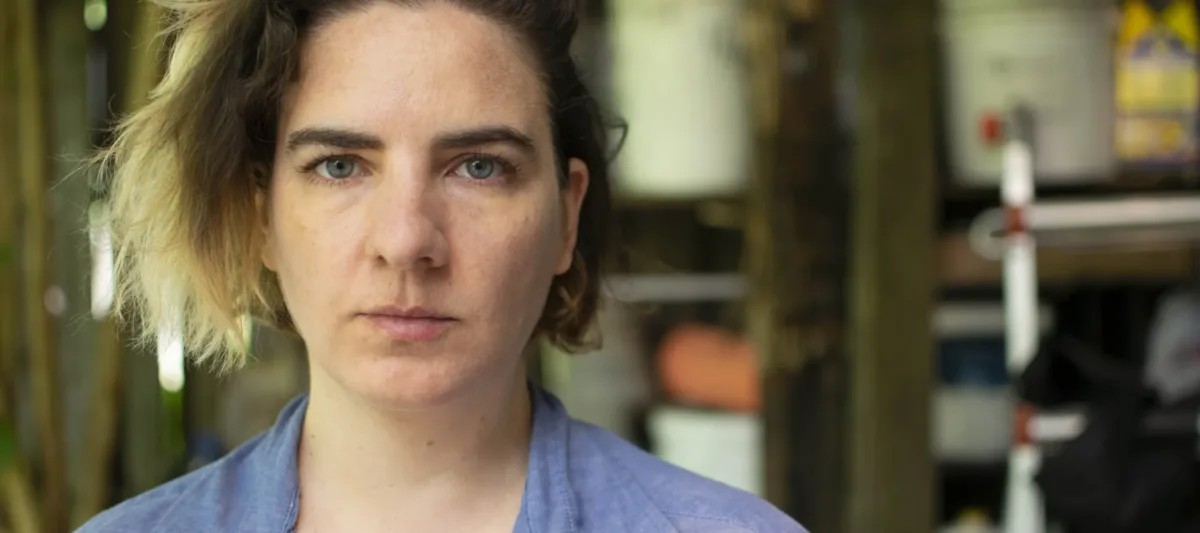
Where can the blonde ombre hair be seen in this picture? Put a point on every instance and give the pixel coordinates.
(184, 170)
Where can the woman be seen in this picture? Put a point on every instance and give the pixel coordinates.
(417, 188)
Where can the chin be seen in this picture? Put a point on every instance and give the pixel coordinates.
(408, 382)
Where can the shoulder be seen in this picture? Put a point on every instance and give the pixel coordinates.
(189, 499)
(690, 502)
(252, 488)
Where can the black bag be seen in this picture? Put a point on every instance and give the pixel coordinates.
(1112, 478)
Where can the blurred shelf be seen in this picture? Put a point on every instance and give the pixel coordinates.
(665, 203)
(960, 204)
(959, 266)
(970, 468)
(677, 288)
(1129, 222)
(957, 320)
(1130, 182)
(951, 320)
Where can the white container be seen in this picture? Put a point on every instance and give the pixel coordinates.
(1054, 56)
(726, 447)
(972, 424)
(680, 80)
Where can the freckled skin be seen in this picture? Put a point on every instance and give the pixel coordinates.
(410, 229)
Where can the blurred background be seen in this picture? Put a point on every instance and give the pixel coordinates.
(902, 266)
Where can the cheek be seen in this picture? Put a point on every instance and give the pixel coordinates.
(309, 242)
(517, 254)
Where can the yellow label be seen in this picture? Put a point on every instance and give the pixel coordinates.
(1157, 82)
(1179, 17)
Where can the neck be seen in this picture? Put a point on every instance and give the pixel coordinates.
(459, 460)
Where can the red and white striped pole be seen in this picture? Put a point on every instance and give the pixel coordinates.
(1023, 509)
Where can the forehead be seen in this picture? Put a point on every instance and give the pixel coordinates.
(395, 70)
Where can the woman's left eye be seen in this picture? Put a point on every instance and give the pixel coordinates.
(480, 168)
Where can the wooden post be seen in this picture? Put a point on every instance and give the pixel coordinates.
(795, 258)
(892, 470)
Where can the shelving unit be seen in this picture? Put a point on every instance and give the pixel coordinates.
(1016, 233)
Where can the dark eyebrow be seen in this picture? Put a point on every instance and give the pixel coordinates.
(485, 135)
(346, 139)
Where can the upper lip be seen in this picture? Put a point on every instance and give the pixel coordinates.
(415, 313)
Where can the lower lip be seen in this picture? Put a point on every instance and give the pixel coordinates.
(411, 329)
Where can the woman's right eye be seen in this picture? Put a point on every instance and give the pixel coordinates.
(337, 168)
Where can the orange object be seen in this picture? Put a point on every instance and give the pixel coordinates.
(1021, 431)
(709, 367)
(991, 128)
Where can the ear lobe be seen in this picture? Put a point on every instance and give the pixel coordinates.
(572, 202)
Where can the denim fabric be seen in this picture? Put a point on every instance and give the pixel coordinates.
(581, 479)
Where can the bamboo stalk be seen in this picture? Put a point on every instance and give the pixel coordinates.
(66, 42)
(34, 159)
(146, 67)
(8, 207)
(16, 489)
(102, 427)
(19, 498)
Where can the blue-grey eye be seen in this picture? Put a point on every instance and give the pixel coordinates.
(337, 168)
(479, 168)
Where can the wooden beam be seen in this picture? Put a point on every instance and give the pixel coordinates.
(794, 258)
(892, 470)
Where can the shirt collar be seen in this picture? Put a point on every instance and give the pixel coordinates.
(548, 505)
(273, 480)
(566, 467)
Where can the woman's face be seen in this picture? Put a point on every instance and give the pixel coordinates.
(414, 218)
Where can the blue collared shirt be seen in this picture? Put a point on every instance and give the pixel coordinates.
(581, 479)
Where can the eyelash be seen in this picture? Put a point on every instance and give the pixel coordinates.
(507, 168)
(309, 169)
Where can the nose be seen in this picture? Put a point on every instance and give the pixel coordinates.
(405, 224)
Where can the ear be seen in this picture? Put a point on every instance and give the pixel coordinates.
(267, 252)
(572, 203)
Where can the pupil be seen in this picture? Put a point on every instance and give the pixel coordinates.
(338, 168)
(480, 168)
